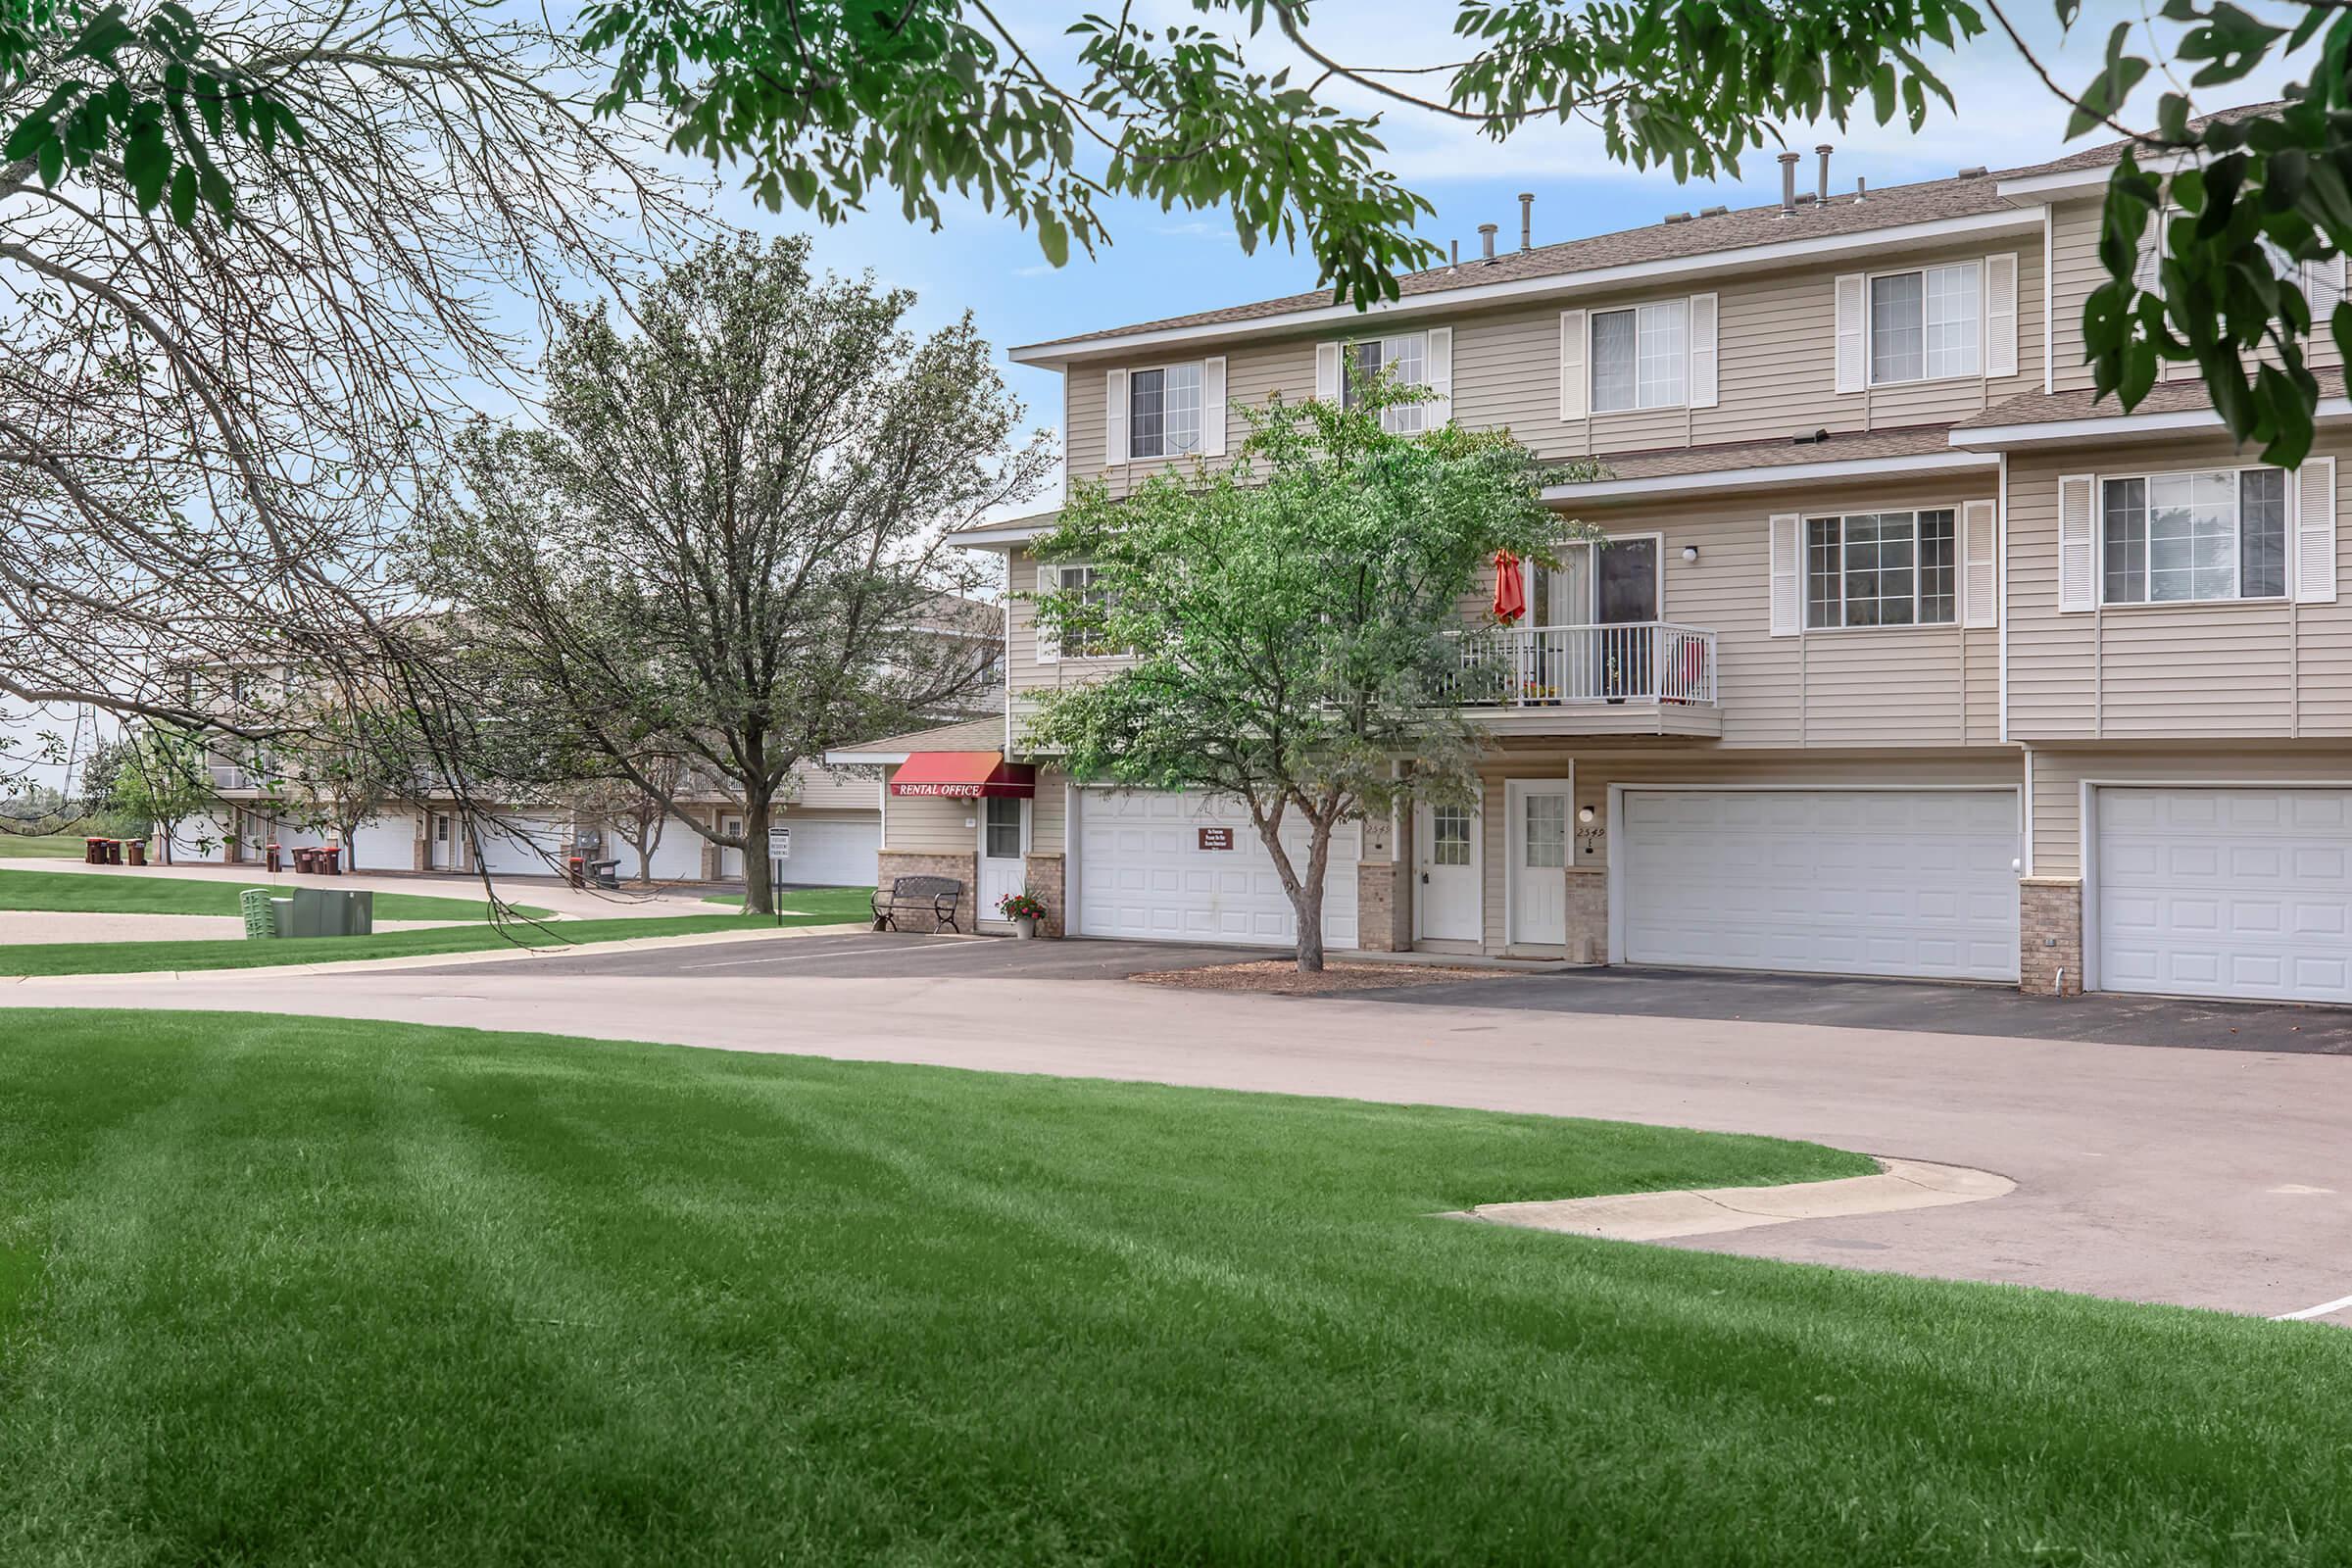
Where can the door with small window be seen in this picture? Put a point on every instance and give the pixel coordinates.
(439, 856)
(1004, 843)
(1447, 907)
(1538, 846)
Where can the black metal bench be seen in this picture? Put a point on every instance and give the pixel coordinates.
(911, 895)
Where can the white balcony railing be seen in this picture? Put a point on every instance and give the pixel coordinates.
(226, 777)
(1553, 666)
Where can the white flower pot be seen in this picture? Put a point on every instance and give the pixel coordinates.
(1024, 926)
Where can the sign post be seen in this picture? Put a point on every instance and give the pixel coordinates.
(779, 850)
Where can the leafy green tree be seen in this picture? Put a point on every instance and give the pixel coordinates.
(1289, 614)
(830, 104)
(345, 765)
(161, 780)
(727, 543)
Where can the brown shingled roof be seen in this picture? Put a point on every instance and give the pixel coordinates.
(2165, 397)
(1889, 208)
(1674, 461)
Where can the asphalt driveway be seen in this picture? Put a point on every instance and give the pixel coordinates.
(1823, 1001)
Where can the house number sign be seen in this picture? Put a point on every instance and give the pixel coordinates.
(1216, 838)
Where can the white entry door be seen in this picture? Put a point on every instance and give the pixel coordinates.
(439, 855)
(730, 860)
(2225, 893)
(1447, 907)
(1003, 838)
(1538, 848)
(1885, 882)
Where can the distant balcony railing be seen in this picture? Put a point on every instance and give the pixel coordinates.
(1554, 666)
(226, 777)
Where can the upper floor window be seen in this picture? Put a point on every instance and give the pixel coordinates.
(1926, 325)
(1407, 359)
(1638, 357)
(1881, 568)
(2174, 537)
(1078, 581)
(1163, 411)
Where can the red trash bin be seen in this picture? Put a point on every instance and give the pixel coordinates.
(138, 852)
(93, 851)
(276, 859)
(330, 859)
(114, 852)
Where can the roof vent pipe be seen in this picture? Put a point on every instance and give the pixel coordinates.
(1486, 238)
(1527, 219)
(1825, 149)
(1789, 183)
(1860, 191)
(1453, 263)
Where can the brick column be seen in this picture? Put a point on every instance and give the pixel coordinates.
(2049, 924)
(964, 869)
(1384, 908)
(421, 847)
(1588, 914)
(1044, 875)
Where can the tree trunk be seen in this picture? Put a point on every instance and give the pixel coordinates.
(1307, 903)
(645, 862)
(759, 893)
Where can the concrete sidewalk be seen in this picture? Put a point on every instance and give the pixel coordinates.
(2204, 1178)
(542, 893)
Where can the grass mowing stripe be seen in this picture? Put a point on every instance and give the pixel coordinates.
(92, 892)
(841, 1311)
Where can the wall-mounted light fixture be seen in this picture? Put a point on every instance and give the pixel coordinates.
(1690, 554)
(1584, 813)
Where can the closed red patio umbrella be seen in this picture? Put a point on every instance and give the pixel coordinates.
(1510, 586)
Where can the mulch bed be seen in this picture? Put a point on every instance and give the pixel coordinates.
(1281, 977)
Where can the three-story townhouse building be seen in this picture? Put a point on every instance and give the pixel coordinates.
(1903, 657)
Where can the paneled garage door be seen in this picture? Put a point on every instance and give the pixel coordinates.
(2225, 893)
(525, 844)
(1880, 882)
(832, 852)
(1144, 872)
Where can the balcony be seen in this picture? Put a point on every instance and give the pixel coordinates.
(1638, 679)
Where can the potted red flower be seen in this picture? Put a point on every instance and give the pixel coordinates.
(1024, 909)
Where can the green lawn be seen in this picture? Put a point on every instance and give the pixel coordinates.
(44, 846)
(130, 893)
(294, 1290)
(845, 904)
(132, 958)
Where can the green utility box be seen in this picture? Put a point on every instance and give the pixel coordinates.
(309, 913)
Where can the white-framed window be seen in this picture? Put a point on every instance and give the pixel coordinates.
(1927, 324)
(1079, 580)
(1163, 411)
(1002, 827)
(1640, 357)
(1406, 358)
(2174, 538)
(1881, 568)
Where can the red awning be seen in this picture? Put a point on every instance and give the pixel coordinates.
(963, 775)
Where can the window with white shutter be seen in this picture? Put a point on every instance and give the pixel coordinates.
(2001, 314)
(1438, 367)
(1786, 549)
(1702, 378)
(1572, 364)
(1327, 371)
(1979, 564)
(2315, 531)
(1049, 641)
(1852, 369)
(2077, 575)
(1213, 406)
(1114, 417)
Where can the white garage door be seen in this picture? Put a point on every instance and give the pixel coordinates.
(386, 843)
(2225, 893)
(1887, 882)
(1143, 872)
(525, 844)
(832, 854)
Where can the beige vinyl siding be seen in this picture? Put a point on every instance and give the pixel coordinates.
(1864, 687)
(1988, 767)
(1776, 368)
(2255, 669)
(822, 789)
(1023, 673)
(926, 824)
(2077, 274)
(1049, 814)
(2059, 775)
